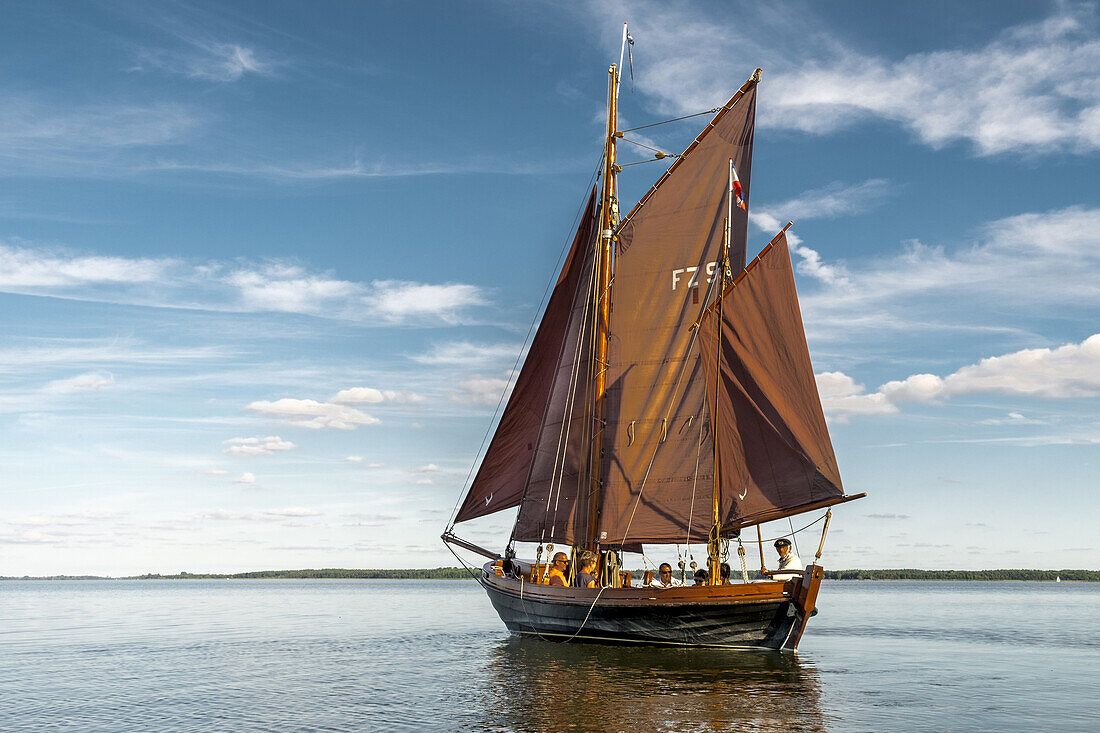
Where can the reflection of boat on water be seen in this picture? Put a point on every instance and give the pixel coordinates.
(663, 400)
(542, 686)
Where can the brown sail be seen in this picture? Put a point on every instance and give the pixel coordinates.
(502, 478)
(775, 456)
(658, 457)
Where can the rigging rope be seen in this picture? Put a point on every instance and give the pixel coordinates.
(674, 119)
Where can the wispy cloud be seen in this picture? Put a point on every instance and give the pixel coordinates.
(1031, 88)
(465, 353)
(280, 287)
(265, 446)
(245, 478)
(1049, 259)
(829, 202)
(480, 390)
(207, 60)
(92, 381)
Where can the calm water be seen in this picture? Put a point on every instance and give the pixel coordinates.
(432, 655)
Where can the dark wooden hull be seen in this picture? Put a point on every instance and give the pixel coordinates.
(767, 615)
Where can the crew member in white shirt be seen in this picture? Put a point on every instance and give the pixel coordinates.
(664, 578)
(789, 564)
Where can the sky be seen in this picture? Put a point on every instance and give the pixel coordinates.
(266, 267)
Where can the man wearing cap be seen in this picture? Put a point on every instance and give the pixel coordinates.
(789, 564)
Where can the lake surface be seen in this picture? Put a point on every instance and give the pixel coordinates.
(352, 655)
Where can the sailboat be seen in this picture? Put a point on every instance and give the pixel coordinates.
(667, 398)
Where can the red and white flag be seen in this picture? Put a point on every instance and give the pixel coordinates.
(739, 196)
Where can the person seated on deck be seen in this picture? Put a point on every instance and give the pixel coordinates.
(789, 564)
(701, 577)
(585, 578)
(557, 570)
(724, 574)
(664, 578)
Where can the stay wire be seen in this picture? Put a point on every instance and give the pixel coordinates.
(674, 119)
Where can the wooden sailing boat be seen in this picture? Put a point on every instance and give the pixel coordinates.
(667, 397)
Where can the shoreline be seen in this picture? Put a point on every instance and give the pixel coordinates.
(457, 573)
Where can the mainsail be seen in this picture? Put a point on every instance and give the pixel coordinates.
(659, 466)
(775, 456)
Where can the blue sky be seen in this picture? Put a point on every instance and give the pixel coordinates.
(265, 267)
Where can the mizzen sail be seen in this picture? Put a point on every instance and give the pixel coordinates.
(775, 455)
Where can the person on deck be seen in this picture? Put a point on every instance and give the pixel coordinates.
(664, 578)
(585, 578)
(701, 577)
(789, 564)
(724, 574)
(557, 570)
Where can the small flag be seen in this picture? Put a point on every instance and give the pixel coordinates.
(740, 200)
(630, 56)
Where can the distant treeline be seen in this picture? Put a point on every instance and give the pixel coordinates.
(462, 574)
(912, 574)
(407, 574)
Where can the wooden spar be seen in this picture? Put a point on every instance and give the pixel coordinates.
(760, 542)
(451, 539)
(602, 312)
(714, 560)
(824, 531)
(755, 79)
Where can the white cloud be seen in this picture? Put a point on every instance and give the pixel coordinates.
(288, 289)
(264, 446)
(354, 459)
(25, 269)
(398, 301)
(375, 465)
(841, 397)
(368, 395)
(245, 478)
(465, 353)
(1067, 372)
(477, 389)
(215, 472)
(313, 414)
(427, 468)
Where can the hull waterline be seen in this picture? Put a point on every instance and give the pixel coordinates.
(767, 615)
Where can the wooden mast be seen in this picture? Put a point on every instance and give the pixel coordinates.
(714, 546)
(603, 310)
